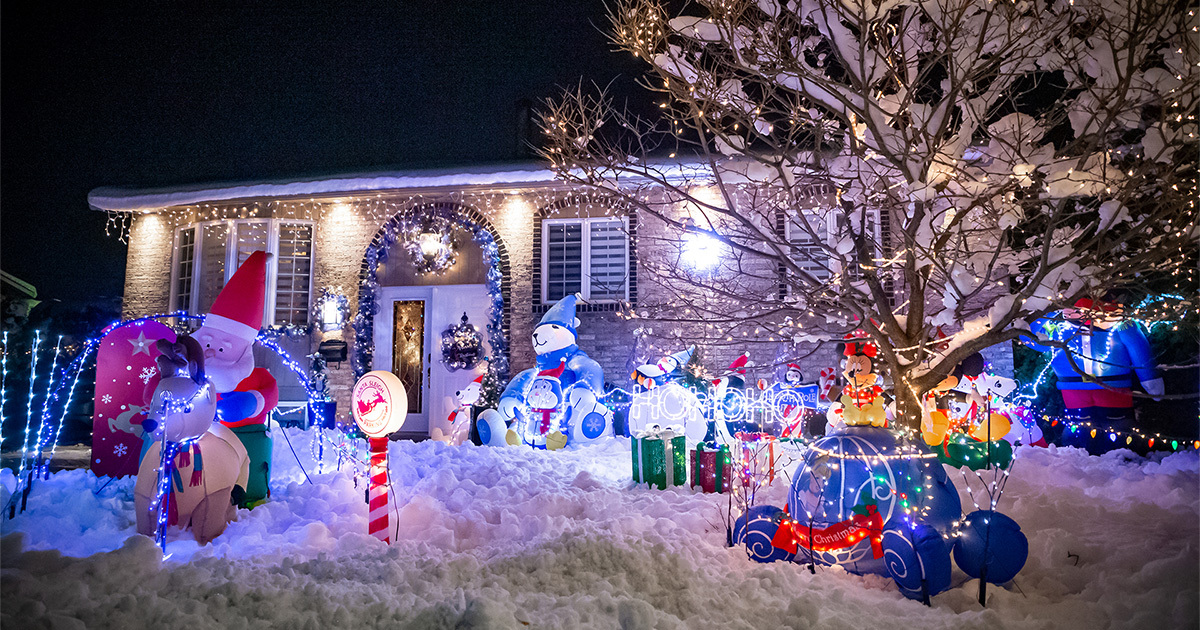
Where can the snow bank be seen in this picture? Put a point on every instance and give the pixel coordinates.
(512, 538)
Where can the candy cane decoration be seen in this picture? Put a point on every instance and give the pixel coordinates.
(827, 378)
(377, 515)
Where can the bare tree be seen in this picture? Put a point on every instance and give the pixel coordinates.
(898, 165)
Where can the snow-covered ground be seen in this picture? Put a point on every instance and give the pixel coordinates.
(513, 538)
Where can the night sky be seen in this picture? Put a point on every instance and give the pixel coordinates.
(163, 94)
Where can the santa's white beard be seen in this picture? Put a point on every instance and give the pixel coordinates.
(226, 375)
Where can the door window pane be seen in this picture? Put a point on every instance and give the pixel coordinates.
(408, 349)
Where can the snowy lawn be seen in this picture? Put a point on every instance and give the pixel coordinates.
(513, 538)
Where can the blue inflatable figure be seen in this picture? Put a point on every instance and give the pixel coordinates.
(756, 528)
(991, 546)
(917, 558)
(555, 341)
(1108, 349)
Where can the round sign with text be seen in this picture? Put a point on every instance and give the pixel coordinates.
(380, 403)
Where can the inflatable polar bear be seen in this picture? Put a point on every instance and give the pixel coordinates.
(555, 342)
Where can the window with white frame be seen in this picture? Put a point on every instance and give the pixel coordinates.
(589, 256)
(811, 243)
(206, 255)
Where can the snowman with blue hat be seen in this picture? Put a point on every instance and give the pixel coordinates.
(555, 341)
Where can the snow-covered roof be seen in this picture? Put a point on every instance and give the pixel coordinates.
(118, 199)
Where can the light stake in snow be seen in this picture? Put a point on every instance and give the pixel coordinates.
(3, 382)
(380, 406)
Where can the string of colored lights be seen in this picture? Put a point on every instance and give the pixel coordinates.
(1130, 435)
(301, 373)
(167, 452)
(37, 455)
(75, 368)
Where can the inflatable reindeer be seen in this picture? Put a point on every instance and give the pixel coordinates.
(211, 464)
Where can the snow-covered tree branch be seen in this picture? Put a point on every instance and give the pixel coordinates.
(900, 166)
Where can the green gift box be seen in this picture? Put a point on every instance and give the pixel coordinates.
(659, 458)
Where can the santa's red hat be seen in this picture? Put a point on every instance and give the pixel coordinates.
(794, 366)
(478, 379)
(739, 364)
(238, 310)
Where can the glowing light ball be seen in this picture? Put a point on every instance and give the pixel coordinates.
(380, 407)
(852, 482)
(701, 252)
(755, 529)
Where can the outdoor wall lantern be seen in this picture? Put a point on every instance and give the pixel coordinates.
(331, 309)
(701, 250)
(429, 240)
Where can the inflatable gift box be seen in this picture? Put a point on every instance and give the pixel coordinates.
(658, 457)
(712, 467)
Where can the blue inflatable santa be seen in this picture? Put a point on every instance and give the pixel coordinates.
(1110, 351)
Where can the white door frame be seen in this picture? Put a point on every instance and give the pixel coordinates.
(387, 297)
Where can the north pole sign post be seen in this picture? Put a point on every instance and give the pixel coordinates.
(380, 407)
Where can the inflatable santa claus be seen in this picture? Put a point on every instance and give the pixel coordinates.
(246, 394)
(1096, 368)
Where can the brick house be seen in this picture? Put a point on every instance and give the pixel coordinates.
(521, 241)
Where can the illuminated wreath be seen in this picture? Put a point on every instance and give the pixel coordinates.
(429, 241)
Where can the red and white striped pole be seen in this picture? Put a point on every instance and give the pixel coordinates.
(377, 516)
(380, 406)
(827, 379)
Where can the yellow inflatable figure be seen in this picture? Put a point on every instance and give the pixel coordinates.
(862, 400)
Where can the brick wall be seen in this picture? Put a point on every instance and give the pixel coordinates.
(341, 237)
(345, 228)
(148, 266)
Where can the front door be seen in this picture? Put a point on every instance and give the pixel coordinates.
(402, 347)
(408, 330)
